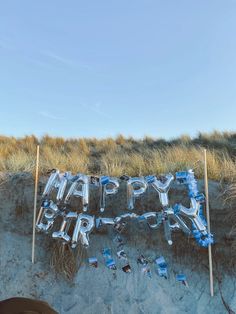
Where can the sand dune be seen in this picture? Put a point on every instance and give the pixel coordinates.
(98, 290)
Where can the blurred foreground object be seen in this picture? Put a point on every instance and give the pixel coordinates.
(25, 306)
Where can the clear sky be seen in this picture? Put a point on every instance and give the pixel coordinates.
(100, 68)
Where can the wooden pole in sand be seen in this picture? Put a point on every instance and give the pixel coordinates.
(35, 200)
(208, 222)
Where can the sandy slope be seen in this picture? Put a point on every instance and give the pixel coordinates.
(97, 290)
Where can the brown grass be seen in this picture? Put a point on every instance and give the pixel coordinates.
(65, 260)
(122, 155)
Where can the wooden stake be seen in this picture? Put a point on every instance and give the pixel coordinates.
(208, 222)
(35, 201)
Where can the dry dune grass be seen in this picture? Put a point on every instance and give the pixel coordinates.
(122, 155)
(66, 261)
(174, 158)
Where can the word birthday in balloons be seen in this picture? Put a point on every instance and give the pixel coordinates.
(77, 225)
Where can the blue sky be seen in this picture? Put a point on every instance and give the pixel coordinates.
(101, 68)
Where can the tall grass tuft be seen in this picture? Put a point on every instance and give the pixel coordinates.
(65, 260)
